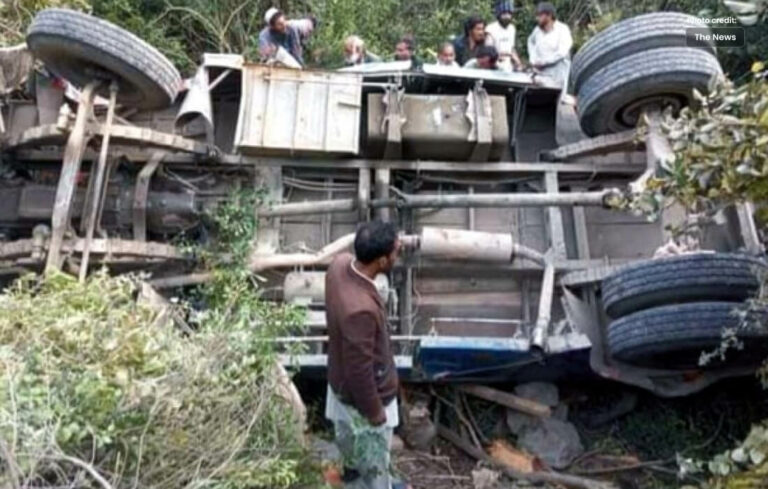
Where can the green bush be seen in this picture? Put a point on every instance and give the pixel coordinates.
(90, 378)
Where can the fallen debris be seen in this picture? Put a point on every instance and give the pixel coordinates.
(517, 422)
(397, 445)
(556, 442)
(506, 399)
(484, 478)
(541, 392)
(417, 429)
(511, 457)
(566, 480)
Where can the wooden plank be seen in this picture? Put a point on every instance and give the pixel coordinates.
(506, 399)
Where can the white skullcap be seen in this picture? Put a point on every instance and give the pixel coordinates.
(270, 13)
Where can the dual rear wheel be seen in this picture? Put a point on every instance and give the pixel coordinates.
(668, 312)
(648, 62)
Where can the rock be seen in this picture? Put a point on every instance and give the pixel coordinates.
(555, 442)
(517, 421)
(397, 444)
(324, 451)
(500, 429)
(542, 392)
(560, 412)
(485, 478)
(417, 429)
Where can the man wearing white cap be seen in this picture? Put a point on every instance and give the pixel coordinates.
(283, 33)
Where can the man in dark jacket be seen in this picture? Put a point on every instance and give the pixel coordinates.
(362, 378)
(467, 45)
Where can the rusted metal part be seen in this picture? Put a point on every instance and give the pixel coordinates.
(122, 134)
(589, 276)
(600, 145)
(24, 248)
(140, 196)
(393, 122)
(73, 155)
(94, 199)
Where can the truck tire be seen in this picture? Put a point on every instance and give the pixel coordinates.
(634, 35)
(613, 99)
(81, 48)
(675, 336)
(684, 278)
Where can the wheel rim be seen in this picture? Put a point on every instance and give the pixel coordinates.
(629, 115)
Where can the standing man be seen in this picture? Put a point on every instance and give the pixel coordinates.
(467, 45)
(501, 35)
(362, 378)
(289, 35)
(549, 45)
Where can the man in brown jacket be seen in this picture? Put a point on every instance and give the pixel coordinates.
(362, 378)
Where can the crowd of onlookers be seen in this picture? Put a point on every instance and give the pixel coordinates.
(480, 46)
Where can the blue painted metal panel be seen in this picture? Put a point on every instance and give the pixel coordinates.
(445, 357)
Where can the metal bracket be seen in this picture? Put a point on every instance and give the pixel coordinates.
(94, 197)
(364, 194)
(544, 316)
(141, 193)
(481, 117)
(73, 155)
(393, 122)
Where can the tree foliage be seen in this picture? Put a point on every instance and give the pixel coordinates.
(721, 151)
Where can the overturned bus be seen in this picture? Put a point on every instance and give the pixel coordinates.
(516, 264)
